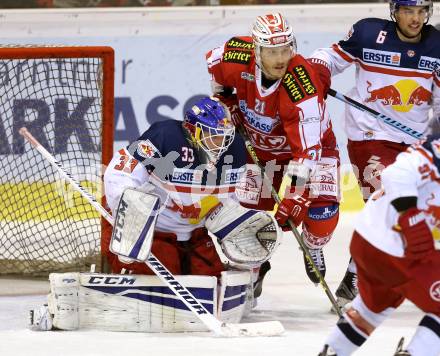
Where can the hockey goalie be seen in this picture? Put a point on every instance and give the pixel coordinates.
(171, 192)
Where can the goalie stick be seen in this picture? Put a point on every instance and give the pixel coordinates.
(389, 121)
(268, 328)
(292, 226)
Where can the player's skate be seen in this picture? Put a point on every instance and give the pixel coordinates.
(400, 351)
(347, 289)
(40, 318)
(327, 351)
(318, 258)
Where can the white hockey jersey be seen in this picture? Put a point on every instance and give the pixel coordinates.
(414, 173)
(164, 157)
(398, 79)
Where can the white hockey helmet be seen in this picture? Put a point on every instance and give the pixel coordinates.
(394, 6)
(272, 30)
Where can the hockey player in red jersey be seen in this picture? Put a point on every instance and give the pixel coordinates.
(396, 248)
(279, 99)
(398, 75)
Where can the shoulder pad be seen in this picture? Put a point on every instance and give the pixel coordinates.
(298, 83)
(244, 43)
(238, 50)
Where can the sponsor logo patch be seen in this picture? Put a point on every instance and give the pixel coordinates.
(304, 79)
(239, 43)
(292, 87)
(260, 122)
(248, 76)
(237, 57)
(434, 291)
(323, 213)
(146, 149)
(382, 57)
(249, 188)
(183, 175)
(233, 175)
(429, 63)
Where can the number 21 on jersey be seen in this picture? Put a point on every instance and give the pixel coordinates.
(260, 106)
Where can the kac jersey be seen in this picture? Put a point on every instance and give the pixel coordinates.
(288, 120)
(415, 173)
(398, 79)
(164, 157)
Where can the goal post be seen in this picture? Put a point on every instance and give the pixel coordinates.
(64, 96)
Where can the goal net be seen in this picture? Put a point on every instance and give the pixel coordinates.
(64, 97)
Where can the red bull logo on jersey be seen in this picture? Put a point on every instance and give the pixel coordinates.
(146, 149)
(381, 57)
(401, 96)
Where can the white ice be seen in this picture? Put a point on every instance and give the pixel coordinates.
(288, 296)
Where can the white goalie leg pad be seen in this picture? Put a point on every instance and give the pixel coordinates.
(233, 295)
(127, 302)
(141, 303)
(135, 220)
(246, 236)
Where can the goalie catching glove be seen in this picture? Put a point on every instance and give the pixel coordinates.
(245, 235)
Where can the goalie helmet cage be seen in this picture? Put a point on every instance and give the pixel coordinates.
(64, 97)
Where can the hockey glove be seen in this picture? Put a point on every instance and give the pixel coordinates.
(416, 234)
(294, 208)
(231, 102)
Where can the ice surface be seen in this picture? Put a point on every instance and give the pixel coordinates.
(288, 296)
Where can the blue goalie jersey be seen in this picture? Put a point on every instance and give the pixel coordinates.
(165, 157)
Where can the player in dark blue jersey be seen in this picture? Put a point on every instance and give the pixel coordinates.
(195, 166)
(397, 74)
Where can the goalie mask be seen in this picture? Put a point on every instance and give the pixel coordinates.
(272, 31)
(395, 4)
(209, 124)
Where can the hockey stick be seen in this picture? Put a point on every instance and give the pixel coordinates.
(377, 115)
(269, 328)
(292, 226)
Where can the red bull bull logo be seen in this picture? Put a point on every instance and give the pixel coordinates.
(388, 95)
(401, 96)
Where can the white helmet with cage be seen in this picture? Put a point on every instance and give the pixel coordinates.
(272, 30)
